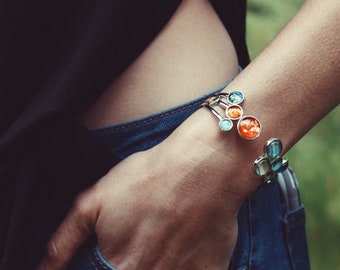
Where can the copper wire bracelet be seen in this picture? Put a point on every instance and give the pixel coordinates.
(248, 126)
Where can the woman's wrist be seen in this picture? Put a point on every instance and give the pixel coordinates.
(224, 159)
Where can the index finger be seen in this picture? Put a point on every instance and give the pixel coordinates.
(76, 228)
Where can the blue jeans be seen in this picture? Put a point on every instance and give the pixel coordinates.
(270, 237)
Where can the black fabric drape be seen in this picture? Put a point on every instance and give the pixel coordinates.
(56, 57)
(233, 15)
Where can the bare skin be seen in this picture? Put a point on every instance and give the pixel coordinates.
(192, 56)
(177, 208)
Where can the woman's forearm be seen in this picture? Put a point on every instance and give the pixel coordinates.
(175, 206)
(295, 81)
(290, 86)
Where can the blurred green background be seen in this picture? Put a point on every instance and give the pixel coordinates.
(315, 158)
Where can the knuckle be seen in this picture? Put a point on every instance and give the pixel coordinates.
(52, 252)
(86, 207)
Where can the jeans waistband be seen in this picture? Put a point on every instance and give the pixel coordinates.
(141, 134)
(188, 106)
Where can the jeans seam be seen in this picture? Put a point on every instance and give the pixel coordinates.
(147, 120)
(93, 263)
(99, 261)
(251, 243)
(287, 243)
(162, 114)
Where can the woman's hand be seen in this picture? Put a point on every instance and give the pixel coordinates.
(165, 208)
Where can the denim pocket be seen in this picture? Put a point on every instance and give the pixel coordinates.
(101, 261)
(295, 236)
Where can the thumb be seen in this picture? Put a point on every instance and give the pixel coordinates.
(76, 228)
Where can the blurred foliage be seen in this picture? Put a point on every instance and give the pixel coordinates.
(316, 157)
(265, 19)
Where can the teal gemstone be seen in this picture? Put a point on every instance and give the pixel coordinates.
(284, 165)
(261, 166)
(274, 148)
(276, 164)
(226, 124)
(235, 97)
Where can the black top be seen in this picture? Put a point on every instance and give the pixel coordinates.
(56, 57)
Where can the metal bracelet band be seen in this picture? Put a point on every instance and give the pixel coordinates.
(268, 165)
(248, 126)
(225, 124)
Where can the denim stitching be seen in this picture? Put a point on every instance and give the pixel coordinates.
(250, 233)
(93, 263)
(99, 261)
(195, 103)
(147, 120)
